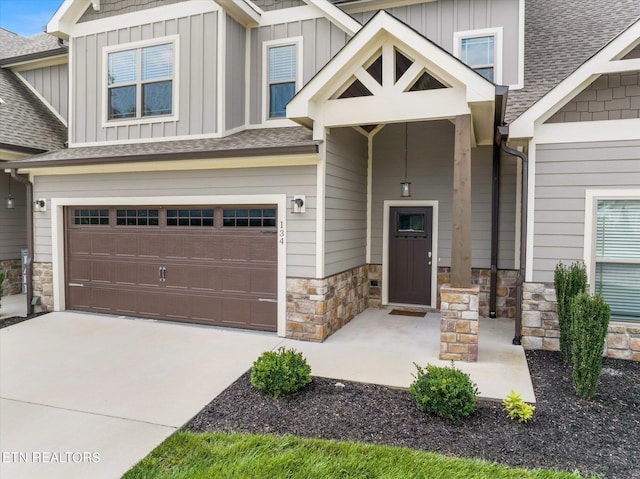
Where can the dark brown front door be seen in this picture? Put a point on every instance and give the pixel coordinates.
(201, 264)
(410, 249)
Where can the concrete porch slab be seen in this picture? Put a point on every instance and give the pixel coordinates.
(14, 305)
(376, 347)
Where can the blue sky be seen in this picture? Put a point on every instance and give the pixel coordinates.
(27, 17)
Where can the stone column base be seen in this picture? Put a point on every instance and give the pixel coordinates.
(459, 323)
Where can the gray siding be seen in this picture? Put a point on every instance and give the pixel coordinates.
(345, 201)
(110, 8)
(439, 20)
(563, 174)
(321, 41)
(235, 74)
(609, 97)
(300, 180)
(430, 170)
(13, 223)
(53, 84)
(196, 79)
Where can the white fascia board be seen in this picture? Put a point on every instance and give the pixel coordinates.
(621, 66)
(576, 132)
(370, 5)
(39, 63)
(67, 14)
(341, 19)
(601, 62)
(293, 14)
(245, 14)
(142, 17)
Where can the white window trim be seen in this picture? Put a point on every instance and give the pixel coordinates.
(497, 45)
(103, 84)
(275, 122)
(590, 224)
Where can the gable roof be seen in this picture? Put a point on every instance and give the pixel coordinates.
(560, 35)
(16, 48)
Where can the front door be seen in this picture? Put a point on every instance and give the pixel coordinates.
(410, 254)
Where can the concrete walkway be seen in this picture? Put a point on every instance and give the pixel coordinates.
(15, 305)
(86, 395)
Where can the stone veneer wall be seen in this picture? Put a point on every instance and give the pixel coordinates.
(459, 323)
(12, 283)
(317, 308)
(43, 285)
(540, 325)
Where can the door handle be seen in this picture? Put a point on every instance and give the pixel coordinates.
(160, 273)
(164, 273)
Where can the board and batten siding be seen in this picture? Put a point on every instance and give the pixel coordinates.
(430, 171)
(110, 8)
(53, 84)
(321, 40)
(345, 201)
(235, 74)
(196, 77)
(13, 227)
(563, 174)
(298, 180)
(438, 21)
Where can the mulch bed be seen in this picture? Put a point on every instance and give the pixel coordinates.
(601, 436)
(6, 322)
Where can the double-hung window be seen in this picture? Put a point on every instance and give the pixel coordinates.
(617, 256)
(140, 82)
(480, 50)
(282, 72)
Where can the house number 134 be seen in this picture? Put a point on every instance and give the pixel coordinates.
(281, 233)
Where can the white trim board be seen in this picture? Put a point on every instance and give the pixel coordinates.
(587, 131)
(57, 235)
(388, 204)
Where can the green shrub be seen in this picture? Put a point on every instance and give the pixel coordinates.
(589, 330)
(516, 407)
(444, 392)
(568, 282)
(281, 372)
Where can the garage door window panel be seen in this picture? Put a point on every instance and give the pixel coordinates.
(90, 217)
(249, 217)
(190, 217)
(142, 217)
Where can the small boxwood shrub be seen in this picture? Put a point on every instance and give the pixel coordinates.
(280, 372)
(568, 282)
(516, 407)
(589, 330)
(443, 391)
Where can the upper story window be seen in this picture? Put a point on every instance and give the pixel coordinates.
(283, 75)
(481, 50)
(141, 81)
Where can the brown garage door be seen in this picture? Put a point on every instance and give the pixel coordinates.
(200, 264)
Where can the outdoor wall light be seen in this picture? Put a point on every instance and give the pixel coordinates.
(297, 205)
(11, 202)
(405, 189)
(40, 205)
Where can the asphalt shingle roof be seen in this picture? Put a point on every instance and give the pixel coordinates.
(12, 45)
(251, 142)
(560, 35)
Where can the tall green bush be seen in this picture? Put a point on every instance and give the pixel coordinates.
(568, 281)
(589, 329)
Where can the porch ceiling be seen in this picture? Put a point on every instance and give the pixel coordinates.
(389, 73)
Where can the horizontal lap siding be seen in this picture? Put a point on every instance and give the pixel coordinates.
(321, 41)
(439, 20)
(196, 80)
(52, 83)
(13, 225)
(299, 180)
(346, 201)
(563, 174)
(430, 171)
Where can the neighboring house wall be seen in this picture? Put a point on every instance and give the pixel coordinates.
(610, 97)
(563, 174)
(298, 180)
(110, 8)
(268, 5)
(438, 21)
(321, 41)
(345, 201)
(12, 222)
(430, 170)
(53, 84)
(196, 81)
(235, 75)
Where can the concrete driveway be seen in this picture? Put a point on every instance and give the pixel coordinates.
(85, 395)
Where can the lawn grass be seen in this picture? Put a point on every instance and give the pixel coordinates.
(200, 456)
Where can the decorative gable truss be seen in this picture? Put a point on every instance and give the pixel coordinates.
(597, 101)
(389, 73)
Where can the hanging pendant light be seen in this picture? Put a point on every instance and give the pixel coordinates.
(405, 185)
(11, 203)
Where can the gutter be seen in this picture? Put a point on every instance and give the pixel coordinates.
(502, 134)
(29, 271)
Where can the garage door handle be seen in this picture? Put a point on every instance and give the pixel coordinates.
(77, 284)
(162, 273)
(267, 300)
